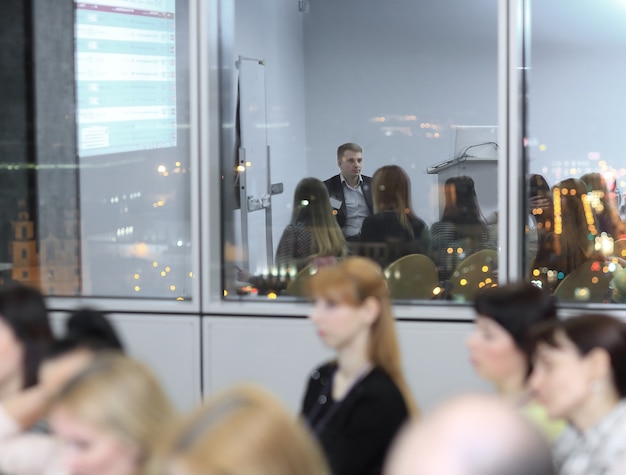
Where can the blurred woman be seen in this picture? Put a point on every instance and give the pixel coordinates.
(500, 348)
(462, 227)
(313, 233)
(244, 430)
(356, 403)
(109, 417)
(393, 221)
(25, 335)
(580, 375)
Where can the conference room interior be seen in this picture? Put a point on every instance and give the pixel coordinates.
(158, 217)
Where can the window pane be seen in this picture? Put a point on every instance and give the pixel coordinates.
(98, 190)
(575, 150)
(414, 85)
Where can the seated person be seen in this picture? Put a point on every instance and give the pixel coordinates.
(350, 192)
(394, 223)
(571, 242)
(499, 346)
(540, 217)
(313, 234)
(604, 206)
(470, 434)
(242, 430)
(357, 402)
(462, 230)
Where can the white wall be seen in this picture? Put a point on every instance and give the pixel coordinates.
(279, 353)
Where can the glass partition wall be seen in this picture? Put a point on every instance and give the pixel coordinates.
(108, 112)
(411, 90)
(575, 151)
(97, 199)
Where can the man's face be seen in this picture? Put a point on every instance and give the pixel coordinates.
(351, 164)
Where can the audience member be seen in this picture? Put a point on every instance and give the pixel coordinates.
(243, 431)
(462, 229)
(580, 375)
(541, 219)
(572, 241)
(25, 335)
(394, 223)
(313, 233)
(470, 435)
(109, 417)
(25, 444)
(356, 403)
(350, 192)
(500, 349)
(604, 206)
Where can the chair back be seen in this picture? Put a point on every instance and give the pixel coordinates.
(590, 282)
(474, 273)
(297, 286)
(412, 277)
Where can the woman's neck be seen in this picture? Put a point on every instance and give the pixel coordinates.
(512, 388)
(352, 363)
(597, 408)
(11, 386)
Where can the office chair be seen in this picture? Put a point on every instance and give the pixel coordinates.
(412, 277)
(475, 272)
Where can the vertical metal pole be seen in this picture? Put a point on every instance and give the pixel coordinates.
(243, 205)
(268, 217)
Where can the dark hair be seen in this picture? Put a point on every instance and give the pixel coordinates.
(516, 308)
(23, 308)
(89, 329)
(588, 332)
(461, 202)
(538, 186)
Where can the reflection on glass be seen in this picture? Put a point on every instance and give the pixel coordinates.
(414, 85)
(100, 201)
(575, 149)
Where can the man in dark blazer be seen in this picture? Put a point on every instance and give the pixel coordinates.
(350, 192)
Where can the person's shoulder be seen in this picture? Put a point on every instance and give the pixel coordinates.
(332, 180)
(380, 385)
(417, 222)
(441, 226)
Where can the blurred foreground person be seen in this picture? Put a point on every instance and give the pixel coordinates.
(109, 417)
(356, 403)
(470, 435)
(26, 446)
(500, 346)
(580, 376)
(242, 431)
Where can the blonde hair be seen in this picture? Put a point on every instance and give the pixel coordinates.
(311, 206)
(392, 192)
(121, 396)
(243, 431)
(351, 282)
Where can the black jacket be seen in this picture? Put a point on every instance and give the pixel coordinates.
(356, 432)
(335, 190)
